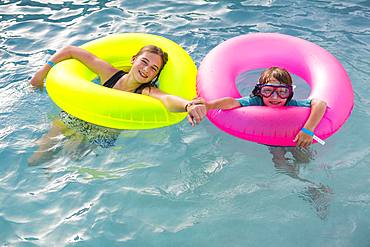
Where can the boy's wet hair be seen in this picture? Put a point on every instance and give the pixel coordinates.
(273, 74)
(276, 74)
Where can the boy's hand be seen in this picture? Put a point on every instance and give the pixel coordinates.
(197, 111)
(303, 140)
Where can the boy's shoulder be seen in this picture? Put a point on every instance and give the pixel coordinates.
(300, 103)
(250, 101)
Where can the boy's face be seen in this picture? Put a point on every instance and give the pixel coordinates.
(274, 100)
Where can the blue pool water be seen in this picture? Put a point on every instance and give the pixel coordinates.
(179, 186)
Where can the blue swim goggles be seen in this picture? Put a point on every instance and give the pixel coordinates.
(266, 90)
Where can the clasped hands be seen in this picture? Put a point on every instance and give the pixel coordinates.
(197, 110)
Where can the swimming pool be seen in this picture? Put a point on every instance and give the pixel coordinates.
(179, 186)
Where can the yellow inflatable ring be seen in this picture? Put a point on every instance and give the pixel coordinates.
(69, 84)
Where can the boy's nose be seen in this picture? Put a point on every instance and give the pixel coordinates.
(274, 95)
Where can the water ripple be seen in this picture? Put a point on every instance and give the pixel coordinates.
(173, 186)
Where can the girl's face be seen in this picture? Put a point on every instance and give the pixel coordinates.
(145, 67)
(274, 100)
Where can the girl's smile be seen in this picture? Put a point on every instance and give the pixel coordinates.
(146, 67)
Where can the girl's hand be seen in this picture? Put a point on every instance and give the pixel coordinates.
(38, 78)
(198, 100)
(303, 140)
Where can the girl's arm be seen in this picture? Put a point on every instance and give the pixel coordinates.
(318, 108)
(196, 109)
(222, 103)
(95, 64)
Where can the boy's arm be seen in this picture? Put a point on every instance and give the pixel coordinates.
(222, 103)
(318, 108)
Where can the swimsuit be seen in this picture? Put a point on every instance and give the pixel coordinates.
(115, 78)
(257, 101)
(95, 134)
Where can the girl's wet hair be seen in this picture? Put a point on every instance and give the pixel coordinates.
(155, 50)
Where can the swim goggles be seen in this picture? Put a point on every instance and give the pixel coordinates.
(283, 91)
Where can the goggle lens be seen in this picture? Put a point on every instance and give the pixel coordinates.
(282, 91)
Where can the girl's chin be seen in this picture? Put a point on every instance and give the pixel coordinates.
(141, 79)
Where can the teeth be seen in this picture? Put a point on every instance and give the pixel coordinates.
(142, 74)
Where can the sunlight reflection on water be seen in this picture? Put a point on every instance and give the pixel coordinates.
(179, 185)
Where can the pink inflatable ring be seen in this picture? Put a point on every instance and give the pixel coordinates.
(274, 126)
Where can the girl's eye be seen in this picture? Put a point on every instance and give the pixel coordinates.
(144, 62)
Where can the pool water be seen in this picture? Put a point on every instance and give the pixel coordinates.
(180, 186)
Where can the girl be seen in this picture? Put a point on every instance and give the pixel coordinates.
(275, 90)
(141, 77)
(146, 67)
